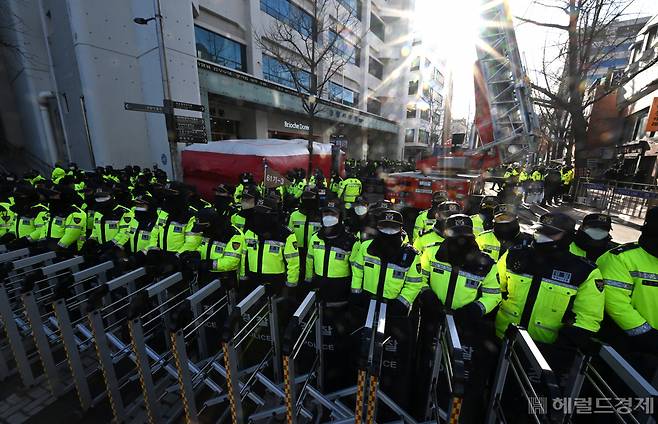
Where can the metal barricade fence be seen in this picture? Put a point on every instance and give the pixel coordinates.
(616, 197)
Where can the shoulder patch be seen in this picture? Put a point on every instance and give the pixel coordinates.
(419, 269)
(624, 248)
(235, 245)
(77, 220)
(294, 244)
(599, 285)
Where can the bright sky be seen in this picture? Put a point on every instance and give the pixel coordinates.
(457, 22)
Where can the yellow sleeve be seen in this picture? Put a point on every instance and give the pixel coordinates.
(413, 283)
(589, 303)
(618, 289)
(490, 291)
(357, 269)
(291, 256)
(74, 228)
(193, 239)
(310, 252)
(230, 259)
(502, 272)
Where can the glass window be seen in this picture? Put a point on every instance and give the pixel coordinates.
(354, 6)
(345, 48)
(640, 126)
(411, 111)
(651, 37)
(423, 136)
(375, 68)
(413, 87)
(409, 135)
(289, 13)
(425, 114)
(340, 94)
(274, 70)
(415, 64)
(221, 50)
(374, 106)
(377, 26)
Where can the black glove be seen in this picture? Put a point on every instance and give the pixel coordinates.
(204, 265)
(396, 307)
(646, 342)
(578, 338)
(468, 313)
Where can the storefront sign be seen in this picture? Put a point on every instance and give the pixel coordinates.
(652, 122)
(296, 126)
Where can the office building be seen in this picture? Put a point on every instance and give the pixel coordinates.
(80, 62)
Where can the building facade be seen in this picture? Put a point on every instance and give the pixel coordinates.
(614, 48)
(82, 61)
(637, 147)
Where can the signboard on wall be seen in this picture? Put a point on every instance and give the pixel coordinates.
(652, 122)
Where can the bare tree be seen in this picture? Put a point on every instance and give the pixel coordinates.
(589, 40)
(313, 46)
(432, 102)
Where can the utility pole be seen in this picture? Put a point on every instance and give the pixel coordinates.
(166, 87)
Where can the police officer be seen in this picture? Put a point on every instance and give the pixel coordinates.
(272, 255)
(141, 233)
(425, 219)
(552, 184)
(567, 176)
(389, 270)
(328, 269)
(176, 222)
(109, 219)
(349, 189)
(475, 291)
(220, 251)
(304, 222)
(630, 273)
(483, 220)
(593, 237)
(464, 281)
(26, 210)
(328, 260)
(246, 179)
(356, 217)
(242, 219)
(435, 236)
(551, 292)
(66, 223)
(386, 268)
(506, 232)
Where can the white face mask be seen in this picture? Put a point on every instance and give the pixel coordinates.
(596, 233)
(140, 209)
(102, 199)
(360, 210)
(329, 220)
(389, 230)
(541, 238)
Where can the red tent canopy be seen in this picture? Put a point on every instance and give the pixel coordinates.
(206, 165)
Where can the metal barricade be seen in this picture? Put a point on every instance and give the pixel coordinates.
(448, 360)
(518, 354)
(599, 369)
(200, 375)
(258, 306)
(69, 308)
(617, 197)
(13, 317)
(37, 297)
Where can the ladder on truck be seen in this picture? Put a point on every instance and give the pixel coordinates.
(507, 89)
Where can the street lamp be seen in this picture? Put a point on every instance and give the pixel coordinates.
(144, 21)
(173, 148)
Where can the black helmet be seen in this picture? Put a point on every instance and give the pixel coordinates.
(597, 220)
(439, 197)
(556, 222)
(458, 225)
(446, 209)
(390, 216)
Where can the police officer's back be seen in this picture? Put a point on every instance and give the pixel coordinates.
(425, 219)
(434, 236)
(630, 272)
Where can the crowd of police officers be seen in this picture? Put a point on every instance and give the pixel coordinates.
(565, 285)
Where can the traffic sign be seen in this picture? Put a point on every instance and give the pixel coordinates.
(183, 105)
(139, 107)
(190, 129)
